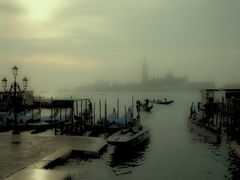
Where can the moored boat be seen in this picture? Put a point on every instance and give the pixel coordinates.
(144, 107)
(130, 136)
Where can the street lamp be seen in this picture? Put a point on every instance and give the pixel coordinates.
(4, 83)
(25, 83)
(14, 71)
(15, 86)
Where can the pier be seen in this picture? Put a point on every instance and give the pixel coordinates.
(219, 114)
(36, 153)
(73, 117)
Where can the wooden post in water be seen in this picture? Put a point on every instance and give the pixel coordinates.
(117, 108)
(75, 126)
(72, 111)
(65, 114)
(85, 114)
(81, 108)
(105, 118)
(61, 122)
(125, 108)
(32, 113)
(60, 114)
(100, 109)
(191, 109)
(228, 111)
(51, 108)
(86, 110)
(81, 120)
(132, 109)
(199, 105)
(94, 108)
(77, 108)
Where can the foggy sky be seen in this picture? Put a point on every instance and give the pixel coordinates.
(59, 43)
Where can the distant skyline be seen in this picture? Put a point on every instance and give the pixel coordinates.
(58, 43)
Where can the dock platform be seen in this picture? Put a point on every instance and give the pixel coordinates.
(208, 135)
(36, 152)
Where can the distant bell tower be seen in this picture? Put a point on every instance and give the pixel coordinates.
(144, 70)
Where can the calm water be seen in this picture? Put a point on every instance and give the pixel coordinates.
(173, 152)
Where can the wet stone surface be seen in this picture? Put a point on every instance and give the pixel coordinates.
(36, 148)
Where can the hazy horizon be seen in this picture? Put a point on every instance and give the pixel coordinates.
(58, 43)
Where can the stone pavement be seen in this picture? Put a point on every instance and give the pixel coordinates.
(33, 148)
(39, 174)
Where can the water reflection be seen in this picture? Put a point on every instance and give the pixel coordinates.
(124, 160)
(175, 152)
(234, 167)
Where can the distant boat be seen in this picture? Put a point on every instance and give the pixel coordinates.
(165, 102)
(144, 107)
(130, 135)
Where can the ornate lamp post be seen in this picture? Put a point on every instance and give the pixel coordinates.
(4, 83)
(15, 87)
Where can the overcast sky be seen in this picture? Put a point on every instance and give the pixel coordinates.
(59, 43)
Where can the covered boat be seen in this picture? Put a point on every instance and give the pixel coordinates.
(130, 135)
(114, 123)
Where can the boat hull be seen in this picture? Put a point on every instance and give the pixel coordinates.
(163, 102)
(121, 140)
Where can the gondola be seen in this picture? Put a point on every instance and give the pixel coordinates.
(162, 102)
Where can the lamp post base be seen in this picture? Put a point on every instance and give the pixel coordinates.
(16, 138)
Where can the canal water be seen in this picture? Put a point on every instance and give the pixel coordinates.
(174, 151)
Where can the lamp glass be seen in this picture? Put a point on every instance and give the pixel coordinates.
(25, 82)
(14, 71)
(4, 82)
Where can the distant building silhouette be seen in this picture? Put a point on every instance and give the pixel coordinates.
(167, 82)
(170, 82)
